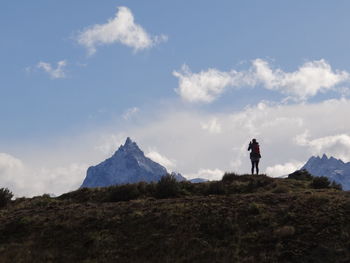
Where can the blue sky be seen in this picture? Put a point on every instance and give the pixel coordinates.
(190, 81)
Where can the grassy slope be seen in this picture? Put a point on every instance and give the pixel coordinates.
(282, 221)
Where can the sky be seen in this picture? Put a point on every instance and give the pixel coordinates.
(192, 82)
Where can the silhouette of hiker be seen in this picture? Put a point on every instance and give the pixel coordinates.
(254, 155)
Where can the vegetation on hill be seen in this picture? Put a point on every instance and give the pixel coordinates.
(5, 197)
(238, 219)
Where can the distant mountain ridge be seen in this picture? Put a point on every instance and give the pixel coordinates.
(127, 165)
(335, 169)
(198, 180)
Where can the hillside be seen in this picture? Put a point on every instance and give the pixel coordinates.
(240, 219)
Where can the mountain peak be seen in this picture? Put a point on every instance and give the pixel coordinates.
(128, 141)
(129, 147)
(335, 169)
(127, 165)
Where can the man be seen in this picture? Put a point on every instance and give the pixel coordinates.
(254, 155)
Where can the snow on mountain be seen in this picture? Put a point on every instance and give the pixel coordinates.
(335, 169)
(127, 165)
(198, 180)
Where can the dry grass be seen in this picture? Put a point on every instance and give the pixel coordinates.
(247, 219)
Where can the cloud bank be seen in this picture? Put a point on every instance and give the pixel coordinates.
(194, 143)
(24, 180)
(213, 126)
(282, 170)
(310, 79)
(120, 29)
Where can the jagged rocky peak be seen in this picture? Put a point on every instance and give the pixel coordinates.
(324, 159)
(128, 141)
(127, 165)
(129, 144)
(129, 147)
(334, 169)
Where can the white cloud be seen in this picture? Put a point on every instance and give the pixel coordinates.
(22, 179)
(58, 180)
(121, 29)
(201, 87)
(8, 166)
(109, 143)
(8, 162)
(158, 158)
(206, 86)
(130, 112)
(334, 145)
(55, 73)
(215, 174)
(212, 126)
(310, 79)
(280, 170)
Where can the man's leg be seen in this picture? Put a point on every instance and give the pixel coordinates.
(257, 167)
(252, 167)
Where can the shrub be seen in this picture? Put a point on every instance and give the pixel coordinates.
(280, 189)
(81, 195)
(200, 189)
(336, 185)
(237, 187)
(229, 178)
(301, 175)
(215, 188)
(187, 188)
(259, 182)
(142, 188)
(124, 192)
(320, 182)
(167, 187)
(42, 201)
(5, 196)
(151, 189)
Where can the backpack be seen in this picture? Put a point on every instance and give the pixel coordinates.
(255, 148)
(255, 153)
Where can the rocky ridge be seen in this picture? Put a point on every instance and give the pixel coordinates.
(330, 167)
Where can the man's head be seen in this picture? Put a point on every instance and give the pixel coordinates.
(254, 140)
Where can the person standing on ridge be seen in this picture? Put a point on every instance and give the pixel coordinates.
(254, 155)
